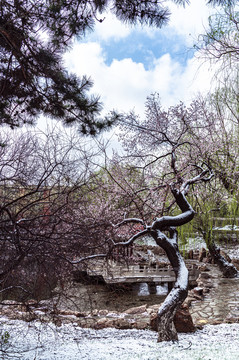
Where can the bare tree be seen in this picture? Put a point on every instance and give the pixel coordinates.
(42, 176)
(219, 45)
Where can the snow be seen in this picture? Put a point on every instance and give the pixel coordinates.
(143, 289)
(197, 242)
(227, 228)
(233, 252)
(162, 289)
(194, 243)
(182, 280)
(44, 341)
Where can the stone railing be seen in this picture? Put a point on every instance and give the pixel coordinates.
(144, 273)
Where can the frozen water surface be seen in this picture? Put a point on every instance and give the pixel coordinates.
(38, 341)
(143, 289)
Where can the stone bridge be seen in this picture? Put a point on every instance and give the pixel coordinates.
(141, 273)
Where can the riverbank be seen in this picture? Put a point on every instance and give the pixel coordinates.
(59, 335)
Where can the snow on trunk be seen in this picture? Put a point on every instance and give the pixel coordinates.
(166, 313)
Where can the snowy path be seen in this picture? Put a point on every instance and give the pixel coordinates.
(38, 341)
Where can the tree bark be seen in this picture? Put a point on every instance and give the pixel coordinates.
(158, 230)
(228, 269)
(166, 313)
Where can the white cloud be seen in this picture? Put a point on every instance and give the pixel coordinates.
(110, 28)
(125, 84)
(189, 20)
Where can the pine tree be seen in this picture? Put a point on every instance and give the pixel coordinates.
(33, 38)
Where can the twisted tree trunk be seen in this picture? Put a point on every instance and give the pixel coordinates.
(164, 232)
(166, 313)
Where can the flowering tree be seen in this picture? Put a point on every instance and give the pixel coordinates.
(159, 145)
(213, 134)
(169, 242)
(56, 205)
(156, 197)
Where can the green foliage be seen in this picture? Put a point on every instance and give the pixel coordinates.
(220, 44)
(4, 341)
(4, 337)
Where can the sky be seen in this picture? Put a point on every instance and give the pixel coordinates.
(128, 63)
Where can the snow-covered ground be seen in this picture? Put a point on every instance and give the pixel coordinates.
(227, 228)
(37, 341)
(197, 242)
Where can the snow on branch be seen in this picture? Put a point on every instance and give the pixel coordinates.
(179, 195)
(132, 238)
(200, 177)
(130, 220)
(178, 220)
(84, 258)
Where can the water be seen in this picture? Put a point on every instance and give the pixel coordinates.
(143, 289)
(162, 289)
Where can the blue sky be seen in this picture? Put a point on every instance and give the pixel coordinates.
(143, 48)
(128, 63)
